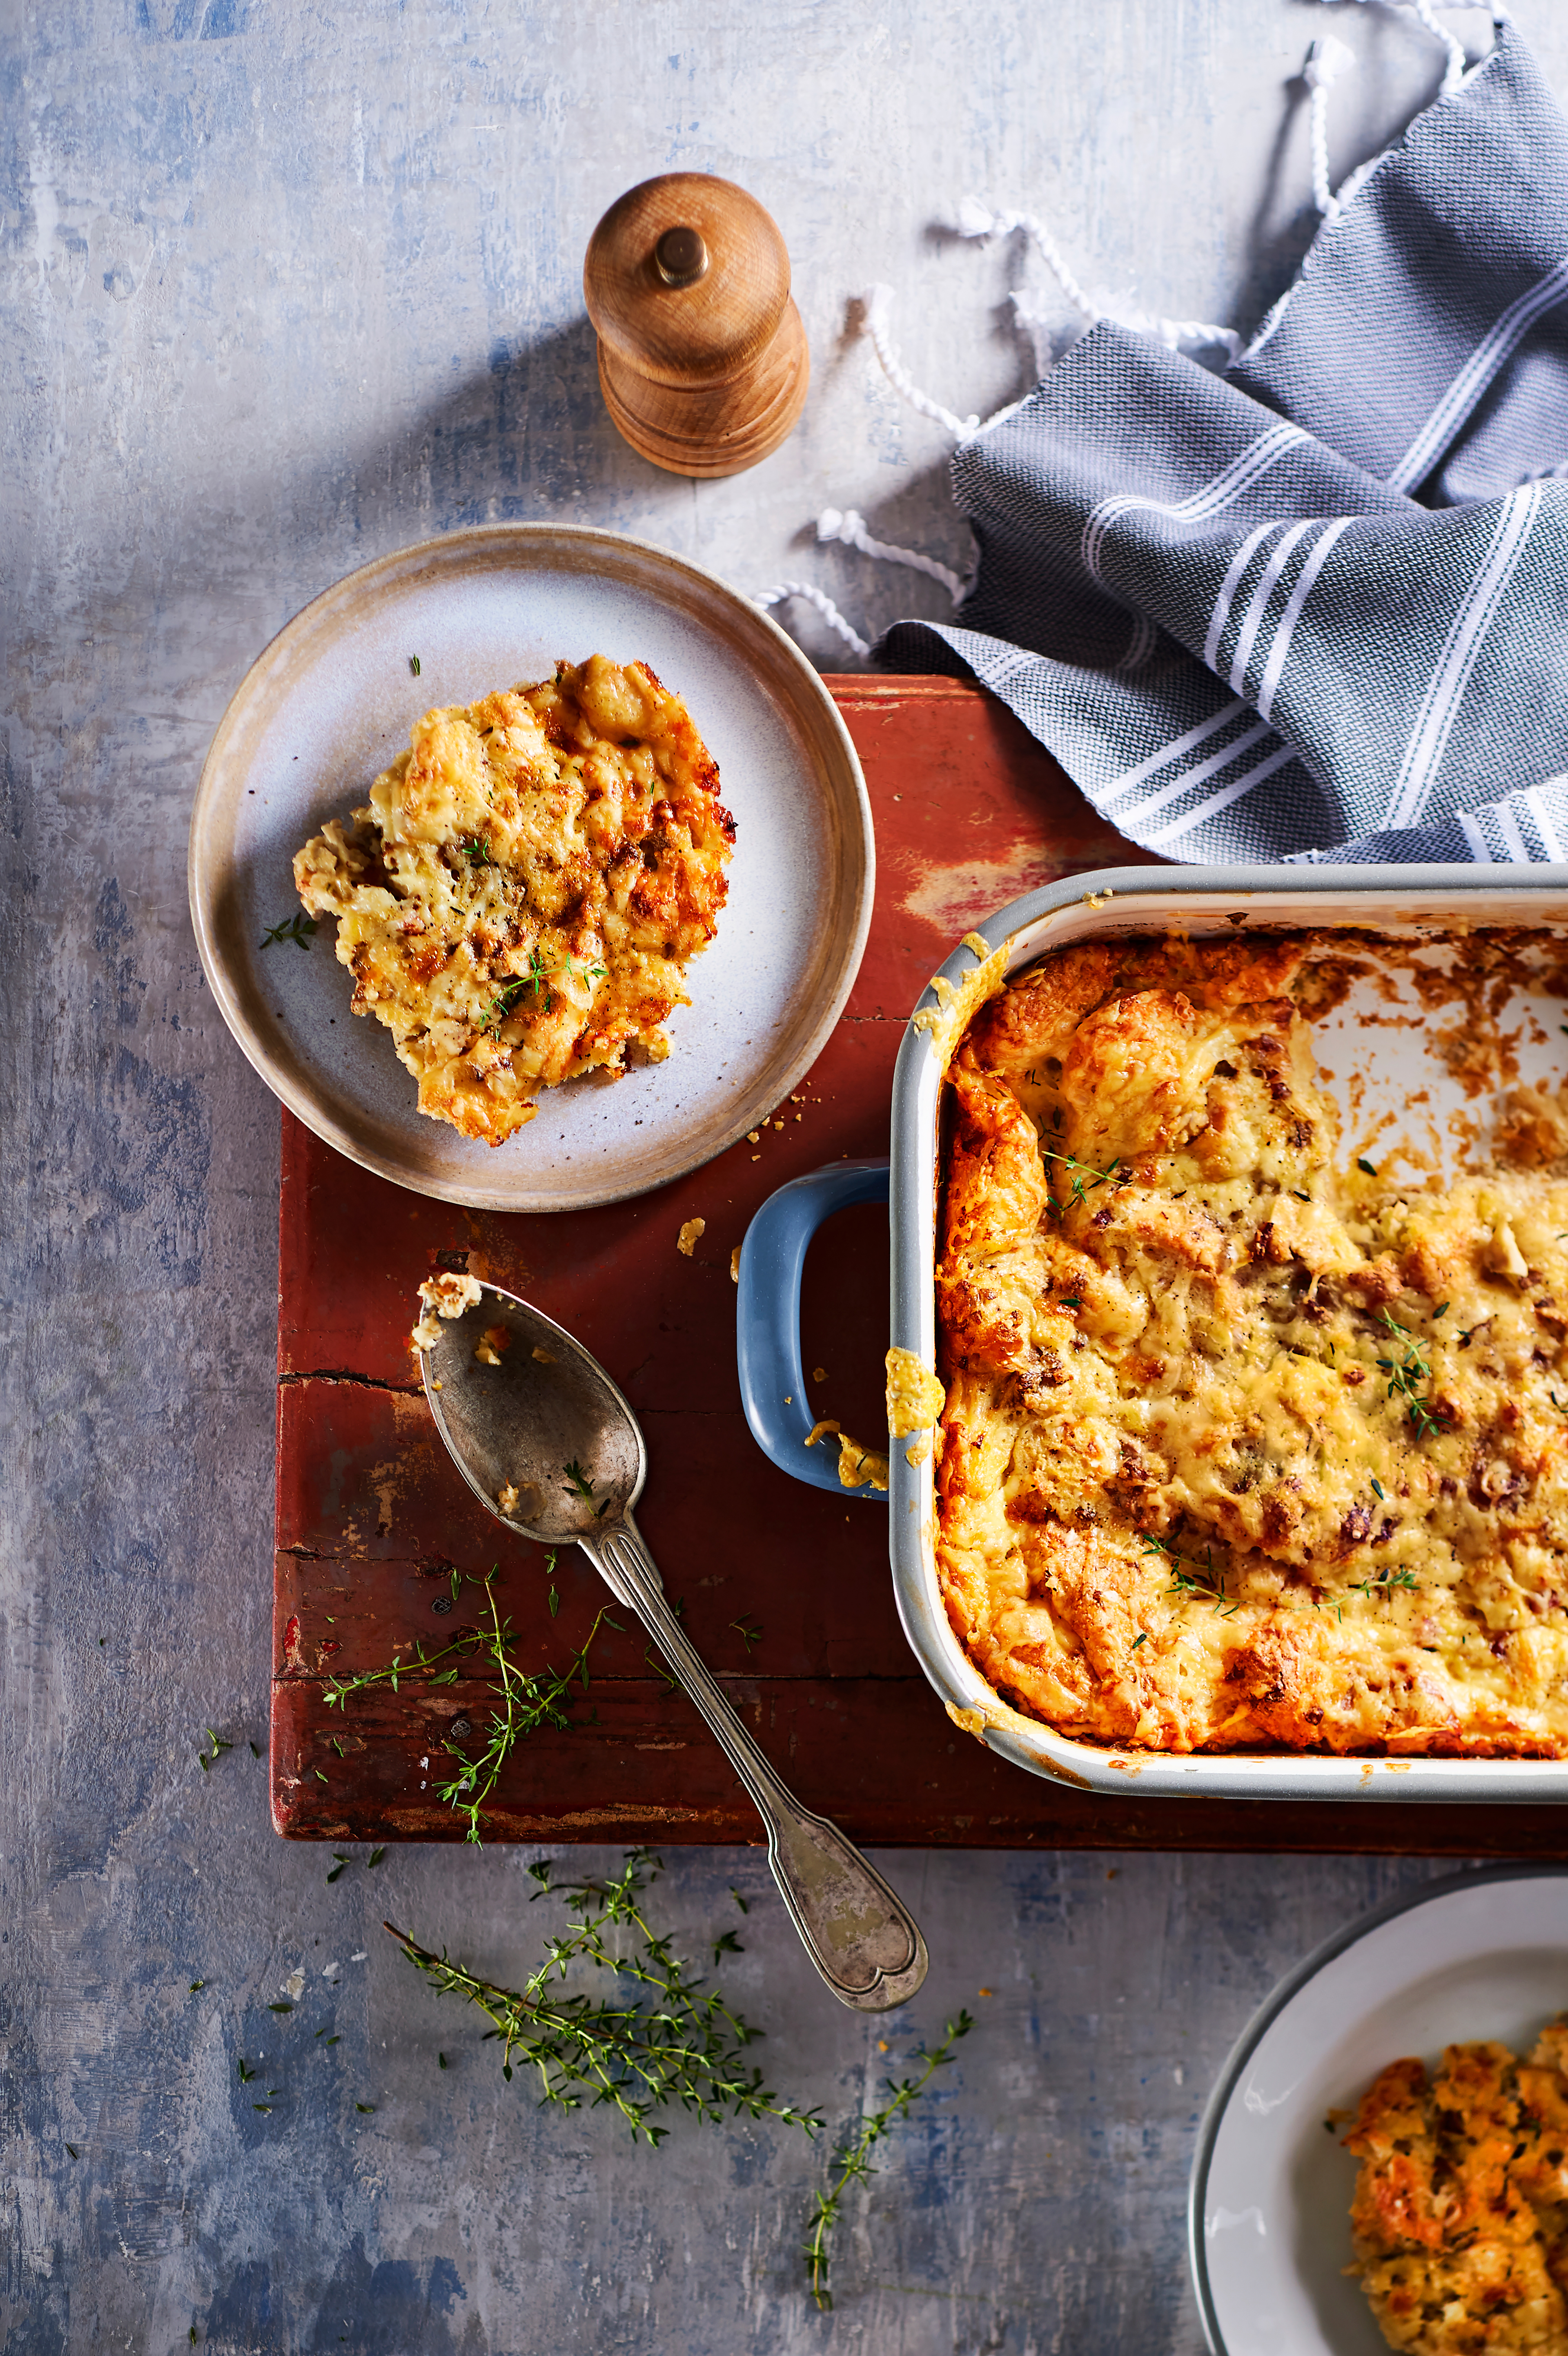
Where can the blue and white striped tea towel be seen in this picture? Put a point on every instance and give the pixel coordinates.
(1317, 608)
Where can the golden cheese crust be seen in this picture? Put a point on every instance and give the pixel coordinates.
(520, 897)
(1460, 2216)
(1243, 1450)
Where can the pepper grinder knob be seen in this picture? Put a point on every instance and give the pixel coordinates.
(702, 357)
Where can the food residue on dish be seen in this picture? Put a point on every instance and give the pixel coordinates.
(447, 1295)
(858, 1467)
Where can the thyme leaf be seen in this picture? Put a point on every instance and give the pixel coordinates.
(298, 928)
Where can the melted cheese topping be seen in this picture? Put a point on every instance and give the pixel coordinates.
(915, 1395)
(1461, 2215)
(519, 899)
(1242, 1447)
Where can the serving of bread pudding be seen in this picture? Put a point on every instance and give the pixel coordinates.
(520, 898)
(1460, 2218)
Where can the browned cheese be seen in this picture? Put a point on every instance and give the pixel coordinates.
(1460, 2217)
(1243, 1448)
(520, 898)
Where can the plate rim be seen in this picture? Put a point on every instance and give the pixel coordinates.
(1283, 1990)
(207, 800)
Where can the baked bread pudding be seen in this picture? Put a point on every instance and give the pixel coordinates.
(1460, 2217)
(1246, 1445)
(520, 897)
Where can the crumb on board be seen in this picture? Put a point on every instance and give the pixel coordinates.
(735, 1264)
(446, 1295)
(819, 1374)
(692, 1230)
(754, 1137)
(857, 1467)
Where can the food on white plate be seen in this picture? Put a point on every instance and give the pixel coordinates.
(520, 898)
(1246, 1445)
(1461, 2215)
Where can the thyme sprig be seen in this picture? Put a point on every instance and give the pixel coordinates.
(524, 1700)
(666, 2038)
(1379, 1583)
(535, 976)
(579, 1483)
(526, 1703)
(852, 2163)
(298, 928)
(1085, 1178)
(1403, 1372)
(1190, 1577)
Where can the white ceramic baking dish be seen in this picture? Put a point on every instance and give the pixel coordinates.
(1375, 1067)
(1392, 1084)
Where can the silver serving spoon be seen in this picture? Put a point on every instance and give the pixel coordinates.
(546, 1441)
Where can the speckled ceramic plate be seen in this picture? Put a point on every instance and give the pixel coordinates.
(332, 701)
(1484, 1954)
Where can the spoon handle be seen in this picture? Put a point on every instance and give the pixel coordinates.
(863, 1938)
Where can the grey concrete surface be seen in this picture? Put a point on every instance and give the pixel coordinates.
(285, 286)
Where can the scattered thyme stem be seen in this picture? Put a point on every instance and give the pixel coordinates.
(675, 2041)
(853, 2162)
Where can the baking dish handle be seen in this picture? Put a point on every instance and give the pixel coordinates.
(767, 1321)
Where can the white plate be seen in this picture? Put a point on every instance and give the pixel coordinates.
(1484, 1954)
(331, 701)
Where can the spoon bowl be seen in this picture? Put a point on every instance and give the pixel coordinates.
(513, 1428)
(544, 1438)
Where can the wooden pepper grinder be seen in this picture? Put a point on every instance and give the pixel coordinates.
(702, 357)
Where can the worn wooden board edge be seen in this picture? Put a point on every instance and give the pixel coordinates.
(554, 1793)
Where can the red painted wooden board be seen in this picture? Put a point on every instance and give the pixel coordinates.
(371, 1515)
